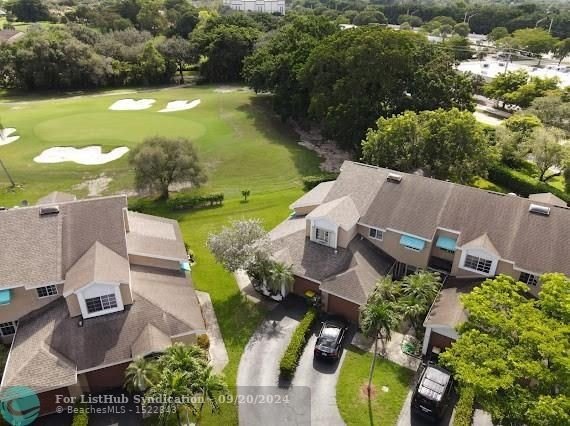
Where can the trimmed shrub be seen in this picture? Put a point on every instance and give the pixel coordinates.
(203, 341)
(521, 184)
(464, 407)
(290, 359)
(309, 182)
(187, 201)
(80, 416)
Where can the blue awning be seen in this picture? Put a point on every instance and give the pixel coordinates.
(5, 297)
(185, 266)
(414, 243)
(446, 243)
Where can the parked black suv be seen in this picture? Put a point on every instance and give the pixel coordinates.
(329, 341)
(433, 392)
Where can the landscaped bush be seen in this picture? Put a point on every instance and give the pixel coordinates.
(309, 182)
(80, 416)
(464, 407)
(203, 341)
(187, 201)
(291, 357)
(521, 184)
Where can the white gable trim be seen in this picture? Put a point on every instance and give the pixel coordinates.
(481, 253)
(85, 287)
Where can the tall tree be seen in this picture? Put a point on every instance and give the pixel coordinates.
(141, 375)
(514, 353)
(498, 33)
(552, 110)
(159, 162)
(534, 40)
(180, 52)
(29, 10)
(418, 291)
(209, 387)
(281, 278)
(548, 151)
(562, 50)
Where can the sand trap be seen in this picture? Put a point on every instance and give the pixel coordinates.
(132, 104)
(5, 137)
(231, 89)
(180, 105)
(87, 156)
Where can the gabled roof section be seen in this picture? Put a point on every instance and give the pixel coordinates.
(482, 242)
(155, 236)
(315, 196)
(342, 212)
(98, 264)
(150, 340)
(548, 198)
(55, 198)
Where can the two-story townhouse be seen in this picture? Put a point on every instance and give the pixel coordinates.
(262, 6)
(371, 221)
(86, 287)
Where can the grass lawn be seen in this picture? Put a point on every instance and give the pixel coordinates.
(384, 407)
(242, 147)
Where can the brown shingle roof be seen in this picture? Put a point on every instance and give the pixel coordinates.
(315, 196)
(548, 198)
(447, 310)
(341, 212)
(155, 236)
(98, 264)
(166, 300)
(151, 340)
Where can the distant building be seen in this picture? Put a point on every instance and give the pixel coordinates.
(267, 6)
(10, 36)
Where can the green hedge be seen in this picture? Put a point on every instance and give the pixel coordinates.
(290, 359)
(309, 182)
(464, 407)
(521, 184)
(187, 201)
(80, 416)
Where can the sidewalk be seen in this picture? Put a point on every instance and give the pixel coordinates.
(218, 352)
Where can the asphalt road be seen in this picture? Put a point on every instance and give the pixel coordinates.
(310, 399)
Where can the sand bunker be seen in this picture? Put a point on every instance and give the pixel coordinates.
(180, 105)
(231, 89)
(5, 137)
(87, 156)
(132, 104)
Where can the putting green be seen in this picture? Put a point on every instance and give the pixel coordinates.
(241, 143)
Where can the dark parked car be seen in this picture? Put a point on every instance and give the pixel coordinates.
(433, 392)
(329, 341)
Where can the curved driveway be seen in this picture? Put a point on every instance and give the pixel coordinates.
(309, 400)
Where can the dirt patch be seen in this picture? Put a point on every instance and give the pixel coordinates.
(95, 187)
(332, 155)
(364, 392)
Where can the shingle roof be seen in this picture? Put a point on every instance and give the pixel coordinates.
(165, 300)
(55, 198)
(155, 236)
(419, 205)
(548, 198)
(151, 340)
(447, 310)
(341, 212)
(98, 264)
(315, 196)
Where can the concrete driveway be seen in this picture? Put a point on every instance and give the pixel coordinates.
(263, 399)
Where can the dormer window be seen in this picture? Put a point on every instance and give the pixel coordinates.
(47, 291)
(322, 236)
(101, 303)
(479, 264)
(529, 279)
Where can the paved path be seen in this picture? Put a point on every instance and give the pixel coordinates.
(391, 350)
(309, 400)
(218, 352)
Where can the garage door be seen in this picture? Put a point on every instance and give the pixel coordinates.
(107, 378)
(339, 306)
(48, 400)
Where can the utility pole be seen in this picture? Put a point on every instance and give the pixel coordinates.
(12, 183)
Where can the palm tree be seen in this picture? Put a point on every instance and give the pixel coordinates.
(280, 278)
(418, 293)
(377, 319)
(188, 358)
(210, 387)
(173, 389)
(141, 374)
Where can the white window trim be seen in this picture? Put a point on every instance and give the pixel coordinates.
(480, 254)
(326, 226)
(13, 324)
(327, 233)
(534, 274)
(47, 295)
(377, 230)
(83, 306)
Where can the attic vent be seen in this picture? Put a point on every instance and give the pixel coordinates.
(46, 211)
(537, 209)
(393, 177)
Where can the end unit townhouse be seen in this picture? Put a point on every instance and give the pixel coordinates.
(86, 286)
(370, 222)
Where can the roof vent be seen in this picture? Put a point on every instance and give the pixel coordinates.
(538, 209)
(393, 177)
(50, 210)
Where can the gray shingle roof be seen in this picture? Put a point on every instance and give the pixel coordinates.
(548, 198)
(155, 236)
(447, 310)
(315, 196)
(341, 212)
(166, 300)
(98, 264)
(151, 340)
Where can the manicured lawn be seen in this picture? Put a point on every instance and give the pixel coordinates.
(390, 387)
(241, 144)
(482, 183)
(242, 147)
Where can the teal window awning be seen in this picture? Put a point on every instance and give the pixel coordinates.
(446, 243)
(5, 297)
(412, 243)
(185, 266)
